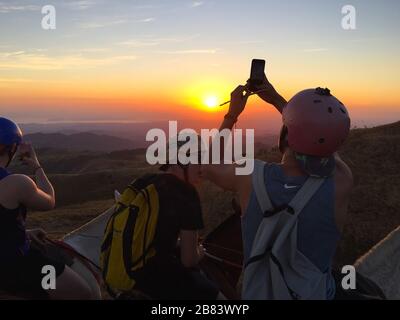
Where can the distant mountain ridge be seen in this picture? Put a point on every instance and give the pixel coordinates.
(373, 155)
(92, 141)
(79, 141)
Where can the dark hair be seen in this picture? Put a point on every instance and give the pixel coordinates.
(166, 166)
(5, 150)
(8, 151)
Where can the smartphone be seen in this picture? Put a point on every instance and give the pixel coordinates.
(257, 73)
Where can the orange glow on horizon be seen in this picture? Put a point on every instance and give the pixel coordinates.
(174, 98)
(181, 61)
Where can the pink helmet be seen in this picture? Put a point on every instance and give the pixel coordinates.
(317, 122)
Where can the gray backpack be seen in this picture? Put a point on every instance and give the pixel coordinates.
(276, 269)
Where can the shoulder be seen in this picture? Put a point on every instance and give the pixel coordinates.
(174, 187)
(244, 170)
(172, 181)
(20, 182)
(343, 175)
(343, 187)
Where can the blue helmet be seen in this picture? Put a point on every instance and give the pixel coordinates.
(10, 133)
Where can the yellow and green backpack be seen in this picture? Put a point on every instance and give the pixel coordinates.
(128, 241)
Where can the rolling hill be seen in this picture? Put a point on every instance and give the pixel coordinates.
(374, 157)
(79, 141)
(85, 182)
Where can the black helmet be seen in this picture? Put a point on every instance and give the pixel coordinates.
(10, 133)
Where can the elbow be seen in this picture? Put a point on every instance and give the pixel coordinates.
(52, 202)
(52, 205)
(49, 205)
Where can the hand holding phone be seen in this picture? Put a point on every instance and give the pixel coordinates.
(27, 155)
(257, 74)
(257, 79)
(23, 152)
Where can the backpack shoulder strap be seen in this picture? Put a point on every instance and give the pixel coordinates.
(304, 195)
(143, 181)
(260, 190)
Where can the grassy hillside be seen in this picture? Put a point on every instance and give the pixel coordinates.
(85, 183)
(66, 219)
(374, 157)
(79, 141)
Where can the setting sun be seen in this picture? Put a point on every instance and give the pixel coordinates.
(211, 102)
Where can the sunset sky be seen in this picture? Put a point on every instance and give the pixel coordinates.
(143, 60)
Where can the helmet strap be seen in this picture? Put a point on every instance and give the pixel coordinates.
(283, 142)
(11, 154)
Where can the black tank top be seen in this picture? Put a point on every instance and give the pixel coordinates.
(13, 238)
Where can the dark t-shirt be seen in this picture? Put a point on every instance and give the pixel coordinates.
(180, 209)
(164, 277)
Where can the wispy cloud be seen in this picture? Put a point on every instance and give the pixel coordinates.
(242, 42)
(15, 80)
(150, 41)
(95, 25)
(34, 61)
(105, 24)
(6, 8)
(80, 4)
(93, 50)
(11, 54)
(146, 20)
(148, 6)
(139, 43)
(89, 50)
(316, 50)
(193, 51)
(197, 4)
(362, 40)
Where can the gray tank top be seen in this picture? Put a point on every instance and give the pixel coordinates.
(318, 235)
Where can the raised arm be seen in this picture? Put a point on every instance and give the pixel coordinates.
(31, 196)
(344, 183)
(224, 175)
(39, 195)
(267, 92)
(238, 102)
